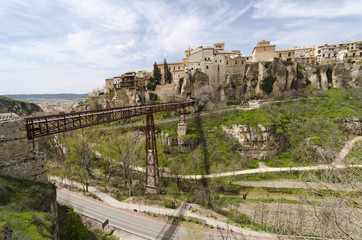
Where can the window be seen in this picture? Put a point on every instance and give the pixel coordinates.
(354, 54)
(220, 60)
(280, 55)
(174, 68)
(348, 47)
(227, 62)
(360, 54)
(205, 59)
(323, 55)
(178, 68)
(236, 62)
(207, 67)
(288, 54)
(215, 60)
(242, 62)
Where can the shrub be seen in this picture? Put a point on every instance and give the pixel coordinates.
(267, 84)
(349, 60)
(153, 97)
(151, 86)
(170, 204)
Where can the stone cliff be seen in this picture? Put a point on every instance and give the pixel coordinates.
(271, 79)
(257, 142)
(19, 157)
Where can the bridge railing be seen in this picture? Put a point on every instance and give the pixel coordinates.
(52, 124)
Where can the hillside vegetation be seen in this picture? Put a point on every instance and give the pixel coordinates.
(9, 105)
(25, 209)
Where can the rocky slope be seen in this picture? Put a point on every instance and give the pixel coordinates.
(255, 81)
(9, 105)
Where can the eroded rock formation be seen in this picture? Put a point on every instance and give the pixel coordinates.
(257, 142)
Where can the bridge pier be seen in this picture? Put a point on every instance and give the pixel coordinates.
(152, 174)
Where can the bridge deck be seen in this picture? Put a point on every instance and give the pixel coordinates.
(52, 124)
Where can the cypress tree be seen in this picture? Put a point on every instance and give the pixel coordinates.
(157, 76)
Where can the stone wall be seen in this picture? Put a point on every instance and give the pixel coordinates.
(19, 157)
(256, 142)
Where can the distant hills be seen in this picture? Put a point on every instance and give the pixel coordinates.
(48, 97)
(9, 105)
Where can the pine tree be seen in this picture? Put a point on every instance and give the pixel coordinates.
(157, 76)
(167, 72)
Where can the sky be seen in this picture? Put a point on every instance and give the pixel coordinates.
(71, 46)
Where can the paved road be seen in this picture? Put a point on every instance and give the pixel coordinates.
(144, 226)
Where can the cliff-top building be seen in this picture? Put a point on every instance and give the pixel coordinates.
(263, 52)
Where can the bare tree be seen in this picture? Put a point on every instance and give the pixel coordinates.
(126, 151)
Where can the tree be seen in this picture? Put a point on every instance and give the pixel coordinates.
(157, 76)
(82, 155)
(126, 151)
(167, 72)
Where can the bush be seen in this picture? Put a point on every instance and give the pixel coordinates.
(233, 102)
(267, 84)
(151, 86)
(153, 97)
(170, 204)
(349, 60)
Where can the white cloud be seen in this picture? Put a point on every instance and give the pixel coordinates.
(79, 43)
(306, 9)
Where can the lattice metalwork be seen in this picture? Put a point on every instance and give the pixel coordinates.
(152, 175)
(48, 125)
(52, 124)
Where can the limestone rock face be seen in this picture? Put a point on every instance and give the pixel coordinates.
(341, 76)
(284, 77)
(356, 75)
(261, 142)
(186, 85)
(251, 80)
(353, 125)
(123, 97)
(312, 76)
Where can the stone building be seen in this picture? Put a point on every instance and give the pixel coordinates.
(263, 52)
(176, 68)
(285, 54)
(219, 65)
(304, 54)
(130, 80)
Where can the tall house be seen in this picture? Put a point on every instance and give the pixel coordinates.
(285, 54)
(187, 56)
(304, 54)
(263, 52)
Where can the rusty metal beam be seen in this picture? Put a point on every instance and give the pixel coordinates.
(52, 124)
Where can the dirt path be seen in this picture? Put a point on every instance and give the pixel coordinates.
(300, 184)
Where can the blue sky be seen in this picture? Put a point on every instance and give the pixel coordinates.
(71, 46)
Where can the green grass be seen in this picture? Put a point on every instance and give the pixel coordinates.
(28, 225)
(25, 207)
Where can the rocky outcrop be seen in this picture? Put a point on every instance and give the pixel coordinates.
(9, 105)
(257, 142)
(20, 158)
(341, 76)
(356, 75)
(352, 125)
(284, 76)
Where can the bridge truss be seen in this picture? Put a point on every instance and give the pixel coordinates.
(53, 124)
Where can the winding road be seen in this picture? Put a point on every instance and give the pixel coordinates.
(141, 225)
